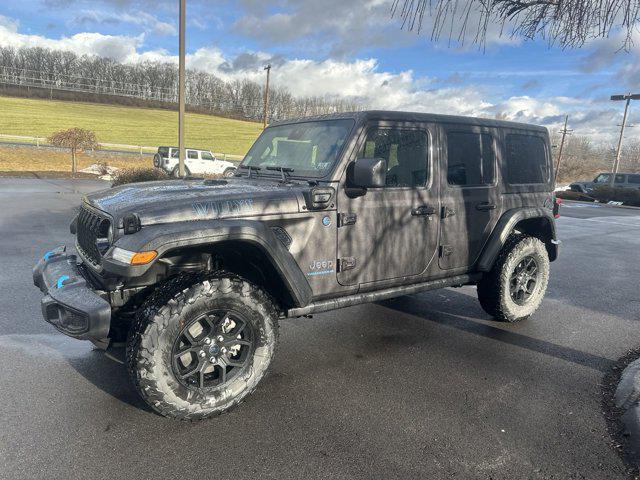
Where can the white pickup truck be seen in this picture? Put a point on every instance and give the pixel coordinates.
(200, 162)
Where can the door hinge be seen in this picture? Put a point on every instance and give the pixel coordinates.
(445, 250)
(347, 263)
(447, 212)
(347, 219)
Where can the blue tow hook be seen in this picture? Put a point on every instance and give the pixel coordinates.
(48, 255)
(61, 281)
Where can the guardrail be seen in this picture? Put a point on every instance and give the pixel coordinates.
(106, 147)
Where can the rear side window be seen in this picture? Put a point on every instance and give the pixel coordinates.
(526, 159)
(470, 159)
(163, 151)
(192, 154)
(206, 156)
(633, 179)
(406, 153)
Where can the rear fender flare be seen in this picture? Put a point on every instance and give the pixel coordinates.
(168, 237)
(505, 227)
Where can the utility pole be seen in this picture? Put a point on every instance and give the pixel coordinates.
(266, 99)
(564, 133)
(616, 98)
(181, 88)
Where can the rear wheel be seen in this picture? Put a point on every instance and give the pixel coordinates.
(198, 347)
(176, 172)
(514, 288)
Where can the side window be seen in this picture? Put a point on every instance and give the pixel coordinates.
(633, 179)
(206, 156)
(620, 178)
(192, 155)
(174, 153)
(163, 151)
(526, 159)
(406, 153)
(470, 159)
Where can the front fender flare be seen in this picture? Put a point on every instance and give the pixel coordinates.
(505, 226)
(166, 237)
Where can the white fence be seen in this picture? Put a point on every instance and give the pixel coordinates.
(107, 147)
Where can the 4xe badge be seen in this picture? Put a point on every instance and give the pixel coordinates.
(321, 267)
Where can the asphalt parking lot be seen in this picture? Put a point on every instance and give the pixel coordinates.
(424, 386)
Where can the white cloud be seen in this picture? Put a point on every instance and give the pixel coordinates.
(143, 19)
(360, 79)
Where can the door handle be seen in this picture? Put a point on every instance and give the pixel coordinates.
(485, 206)
(423, 211)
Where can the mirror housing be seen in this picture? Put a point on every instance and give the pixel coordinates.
(370, 172)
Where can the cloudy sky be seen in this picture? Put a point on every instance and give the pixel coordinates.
(351, 48)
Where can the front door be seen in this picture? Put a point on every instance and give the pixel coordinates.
(390, 233)
(471, 201)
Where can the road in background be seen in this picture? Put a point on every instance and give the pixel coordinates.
(423, 386)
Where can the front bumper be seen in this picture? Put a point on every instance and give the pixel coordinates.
(70, 304)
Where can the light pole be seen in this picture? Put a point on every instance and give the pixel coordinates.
(266, 99)
(616, 98)
(181, 88)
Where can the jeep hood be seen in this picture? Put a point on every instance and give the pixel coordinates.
(189, 200)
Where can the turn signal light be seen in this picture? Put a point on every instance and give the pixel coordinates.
(142, 258)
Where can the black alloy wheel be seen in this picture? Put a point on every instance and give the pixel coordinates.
(212, 349)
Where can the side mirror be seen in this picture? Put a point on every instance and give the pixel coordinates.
(370, 172)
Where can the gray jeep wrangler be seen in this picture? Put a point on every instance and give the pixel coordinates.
(324, 213)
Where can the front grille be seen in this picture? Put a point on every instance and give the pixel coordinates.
(91, 228)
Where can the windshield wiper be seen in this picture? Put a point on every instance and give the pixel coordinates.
(251, 168)
(284, 171)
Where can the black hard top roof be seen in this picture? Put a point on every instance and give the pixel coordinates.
(415, 117)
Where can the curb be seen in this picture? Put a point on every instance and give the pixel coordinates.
(627, 399)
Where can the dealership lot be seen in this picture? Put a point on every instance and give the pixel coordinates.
(420, 386)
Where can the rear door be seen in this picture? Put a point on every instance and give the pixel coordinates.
(390, 233)
(193, 162)
(471, 201)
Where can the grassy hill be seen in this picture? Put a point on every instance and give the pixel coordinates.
(125, 125)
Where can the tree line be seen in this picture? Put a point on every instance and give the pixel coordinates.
(157, 81)
(582, 159)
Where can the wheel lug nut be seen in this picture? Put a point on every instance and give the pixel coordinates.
(224, 350)
(212, 359)
(202, 354)
(220, 338)
(207, 341)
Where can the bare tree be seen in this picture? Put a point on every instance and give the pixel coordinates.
(568, 23)
(74, 139)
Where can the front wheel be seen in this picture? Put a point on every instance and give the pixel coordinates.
(229, 172)
(199, 347)
(513, 290)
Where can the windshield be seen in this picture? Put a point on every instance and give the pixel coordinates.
(305, 149)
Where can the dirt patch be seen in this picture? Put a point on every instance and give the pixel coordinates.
(31, 159)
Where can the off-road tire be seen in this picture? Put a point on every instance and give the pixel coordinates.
(158, 323)
(157, 160)
(493, 289)
(229, 172)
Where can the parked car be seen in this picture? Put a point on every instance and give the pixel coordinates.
(325, 213)
(622, 180)
(201, 162)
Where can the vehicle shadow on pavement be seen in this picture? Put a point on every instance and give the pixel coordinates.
(108, 375)
(457, 313)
